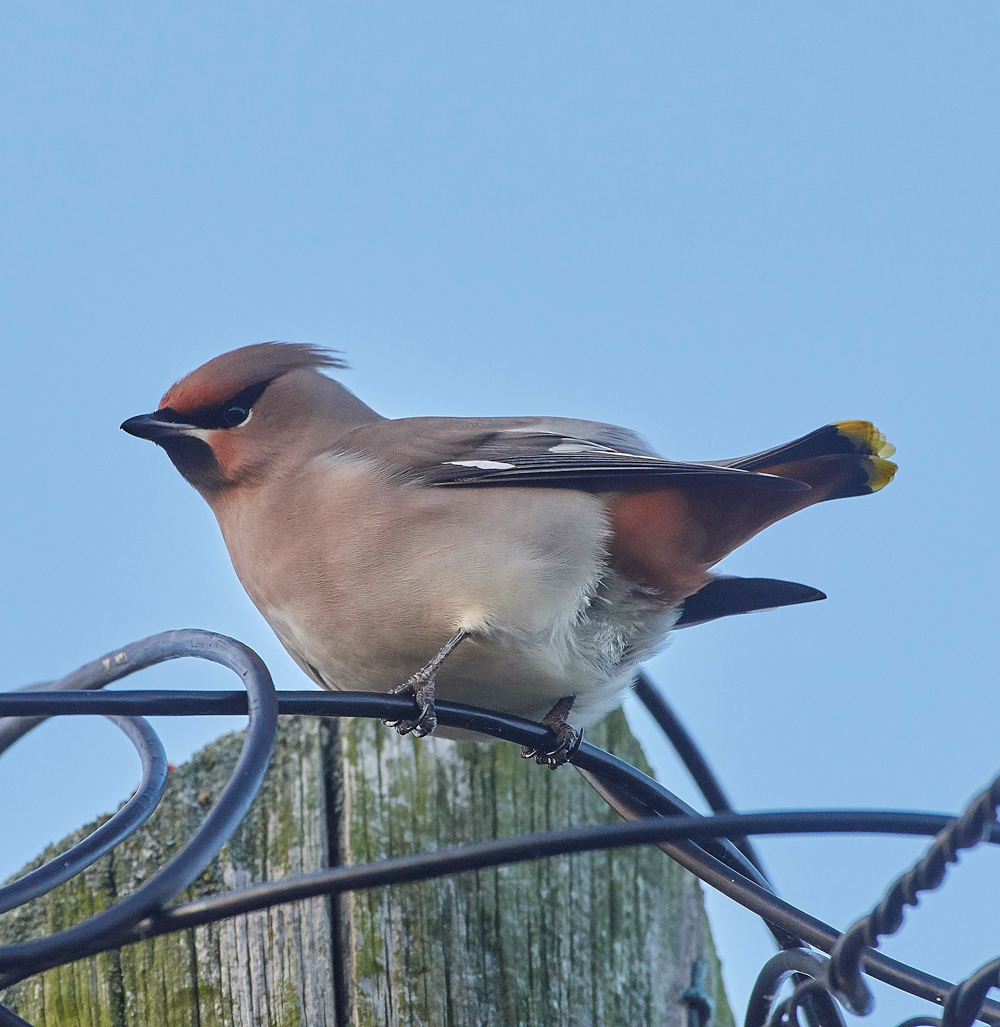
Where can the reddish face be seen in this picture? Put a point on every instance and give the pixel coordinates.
(203, 422)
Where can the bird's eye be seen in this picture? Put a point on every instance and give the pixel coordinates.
(235, 415)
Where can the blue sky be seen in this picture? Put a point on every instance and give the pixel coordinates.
(721, 224)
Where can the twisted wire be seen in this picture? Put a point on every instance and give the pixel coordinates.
(886, 918)
(699, 1004)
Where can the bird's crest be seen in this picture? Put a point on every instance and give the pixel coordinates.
(229, 374)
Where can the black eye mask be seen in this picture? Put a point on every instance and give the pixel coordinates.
(230, 414)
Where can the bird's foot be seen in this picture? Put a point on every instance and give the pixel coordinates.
(567, 739)
(421, 687)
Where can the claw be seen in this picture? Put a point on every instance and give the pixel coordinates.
(568, 739)
(421, 687)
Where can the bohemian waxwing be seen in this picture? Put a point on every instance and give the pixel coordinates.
(526, 564)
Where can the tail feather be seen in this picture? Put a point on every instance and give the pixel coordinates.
(851, 455)
(670, 537)
(726, 595)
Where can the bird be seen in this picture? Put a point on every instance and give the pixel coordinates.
(525, 564)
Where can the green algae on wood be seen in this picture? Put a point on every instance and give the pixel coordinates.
(603, 938)
(589, 939)
(254, 969)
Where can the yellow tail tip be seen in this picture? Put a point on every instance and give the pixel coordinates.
(869, 441)
(880, 473)
(866, 437)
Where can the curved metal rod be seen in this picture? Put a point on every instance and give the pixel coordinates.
(26, 958)
(813, 998)
(693, 759)
(773, 975)
(8, 1018)
(380, 706)
(457, 859)
(134, 813)
(613, 771)
(962, 1009)
(621, 799)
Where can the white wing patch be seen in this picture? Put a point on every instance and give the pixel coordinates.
(579, 447)
(484, 465)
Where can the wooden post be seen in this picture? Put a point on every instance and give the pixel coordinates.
(604, 938)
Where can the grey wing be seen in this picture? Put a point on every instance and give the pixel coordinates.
(541, 452)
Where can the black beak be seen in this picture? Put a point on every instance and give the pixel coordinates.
(149, 426)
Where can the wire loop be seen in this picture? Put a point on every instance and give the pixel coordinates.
(94, 934)
(966, 1000)
(114, 830)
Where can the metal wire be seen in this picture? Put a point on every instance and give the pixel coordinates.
(11, 1019)
(134, 813)
(692, 758)
(425, 866)
(714, 848)
(773, 975)
(962, 1007)
(222, 819)
(700, 1006)
(887, 917)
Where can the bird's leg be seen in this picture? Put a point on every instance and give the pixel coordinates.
(568, 739)
(421, 687)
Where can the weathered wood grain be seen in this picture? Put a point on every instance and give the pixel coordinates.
(603, 938)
